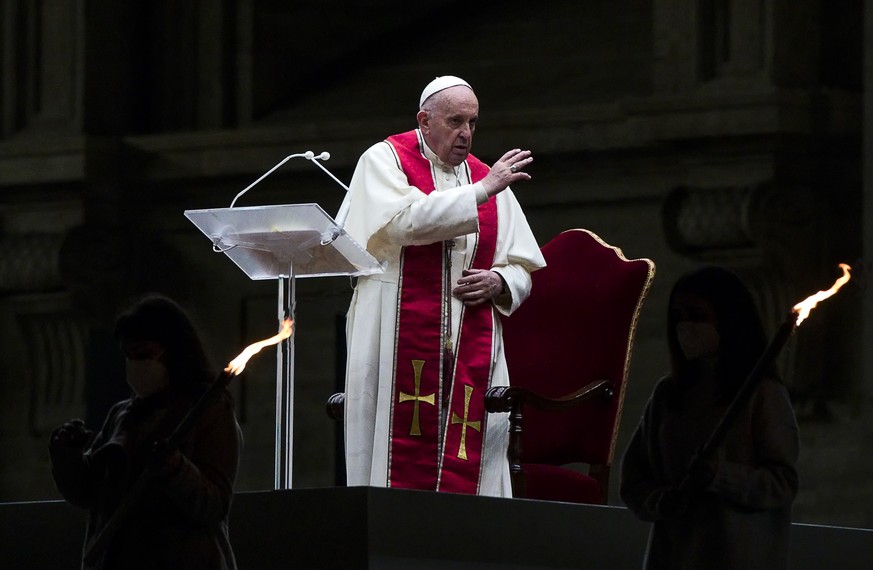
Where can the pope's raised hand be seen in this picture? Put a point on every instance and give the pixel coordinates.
(508, 170)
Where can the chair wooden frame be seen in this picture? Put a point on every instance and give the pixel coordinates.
(512, 399)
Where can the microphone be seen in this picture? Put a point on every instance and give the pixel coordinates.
(308, 155)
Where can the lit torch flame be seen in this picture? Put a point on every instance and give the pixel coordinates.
(804, 307)
(238, 364)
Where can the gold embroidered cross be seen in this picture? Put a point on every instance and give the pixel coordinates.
(415, 428)
(456, 419)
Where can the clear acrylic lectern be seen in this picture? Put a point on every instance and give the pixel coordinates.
(284, 242)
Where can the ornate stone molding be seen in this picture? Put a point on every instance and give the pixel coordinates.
(57, 342)
(754, 217)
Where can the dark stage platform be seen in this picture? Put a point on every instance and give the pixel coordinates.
(370, 528)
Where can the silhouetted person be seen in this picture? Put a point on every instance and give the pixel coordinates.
(180, 521)
(737, 514)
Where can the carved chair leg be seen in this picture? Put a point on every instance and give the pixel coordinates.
(513, 453)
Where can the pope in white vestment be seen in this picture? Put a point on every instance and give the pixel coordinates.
(387, 214)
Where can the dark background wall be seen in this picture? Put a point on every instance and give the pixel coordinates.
(688, 132)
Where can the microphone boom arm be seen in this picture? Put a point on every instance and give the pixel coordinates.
(312, 157)
(308, 155)
(264, 175)
(344, 208)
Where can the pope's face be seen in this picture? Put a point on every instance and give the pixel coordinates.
(449, 123)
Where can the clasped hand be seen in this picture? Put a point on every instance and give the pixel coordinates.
(71, 434)
(478, 286)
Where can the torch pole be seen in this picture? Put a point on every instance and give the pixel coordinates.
(98, 544)
(742, 396)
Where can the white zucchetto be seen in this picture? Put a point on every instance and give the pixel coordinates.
(439, 84)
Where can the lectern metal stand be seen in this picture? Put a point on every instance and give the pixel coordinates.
(284, 242)
(285, 385)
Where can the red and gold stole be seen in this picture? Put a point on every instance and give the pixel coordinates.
(420, 456)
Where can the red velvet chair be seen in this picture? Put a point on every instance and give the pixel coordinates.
(568, 348)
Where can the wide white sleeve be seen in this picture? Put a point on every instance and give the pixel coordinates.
(517, 255)
(385, 209)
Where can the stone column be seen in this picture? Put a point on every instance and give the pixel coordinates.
(867, 189)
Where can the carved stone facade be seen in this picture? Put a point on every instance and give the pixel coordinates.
(686, 131)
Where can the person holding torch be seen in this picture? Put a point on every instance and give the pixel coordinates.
(730, 509)
(176, 501)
